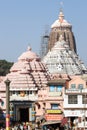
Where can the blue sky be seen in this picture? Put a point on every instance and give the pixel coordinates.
(23, 22)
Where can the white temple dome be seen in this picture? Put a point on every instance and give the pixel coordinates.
(61, 22)
(28, 55)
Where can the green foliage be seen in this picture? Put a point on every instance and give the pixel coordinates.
(5, 67)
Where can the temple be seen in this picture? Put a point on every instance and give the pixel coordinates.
(27, 76)
(52, 91)
(61, 26)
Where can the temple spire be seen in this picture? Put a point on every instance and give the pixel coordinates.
(29, 47)
(61, 15)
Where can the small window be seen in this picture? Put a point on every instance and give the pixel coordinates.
(2, 103)
(84, 99)
(73, 86)
(80, 86)
(54, 106)
(52, 88)
(72, 99)
(39, 106)
(59, 88)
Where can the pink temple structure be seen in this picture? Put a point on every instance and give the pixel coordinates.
(51, 91)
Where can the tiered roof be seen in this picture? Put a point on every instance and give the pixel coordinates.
(27, 73)
(62, 60)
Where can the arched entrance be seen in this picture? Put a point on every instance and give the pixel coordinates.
(24, 114)
(22, 111)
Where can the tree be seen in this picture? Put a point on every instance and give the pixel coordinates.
(5, 67)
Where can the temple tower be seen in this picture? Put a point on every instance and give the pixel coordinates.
(64, 28)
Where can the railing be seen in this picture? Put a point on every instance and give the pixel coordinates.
(76, 90)
(55, 94)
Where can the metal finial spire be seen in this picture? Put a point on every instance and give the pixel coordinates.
(29, 47)
(61, 15)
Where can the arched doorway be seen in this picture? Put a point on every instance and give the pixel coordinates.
(24, 114)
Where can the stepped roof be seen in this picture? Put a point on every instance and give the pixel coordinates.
(27, 73)
(62, 60)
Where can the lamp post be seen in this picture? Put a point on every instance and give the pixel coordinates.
(7, 82)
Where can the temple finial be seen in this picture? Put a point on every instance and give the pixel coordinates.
(61, 15)
(29, 47)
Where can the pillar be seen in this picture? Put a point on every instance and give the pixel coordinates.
(7, 82)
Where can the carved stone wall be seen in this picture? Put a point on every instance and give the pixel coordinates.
(66, 33)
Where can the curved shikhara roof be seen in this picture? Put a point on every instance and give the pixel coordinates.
(60, 59)
(27, 73)
(61, 22)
